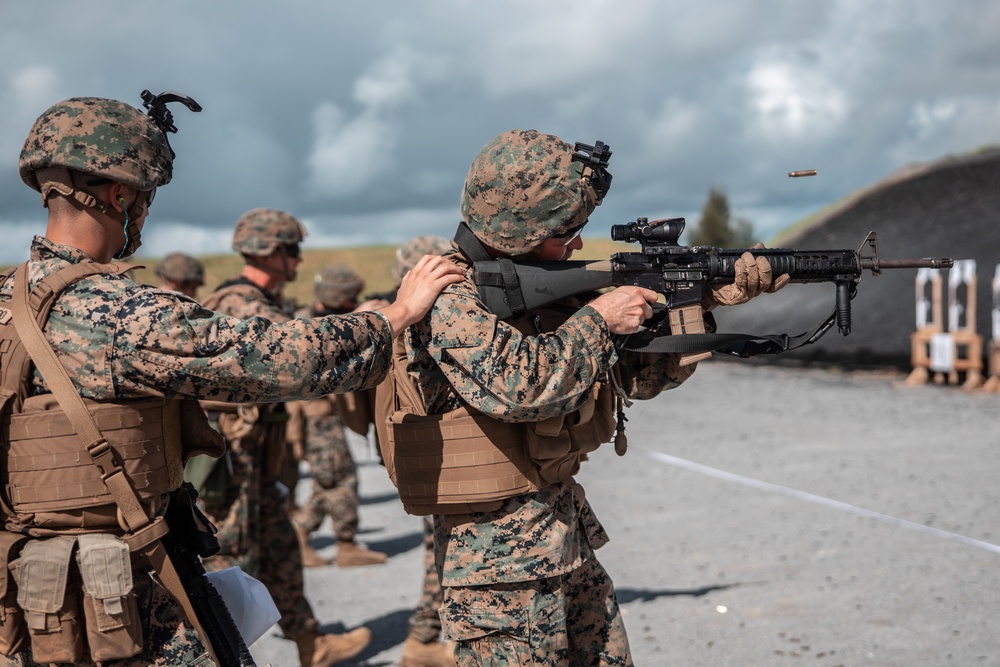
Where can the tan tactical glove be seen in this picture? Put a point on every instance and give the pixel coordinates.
(753, 278)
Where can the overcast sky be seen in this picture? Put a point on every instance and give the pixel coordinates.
(362, 118)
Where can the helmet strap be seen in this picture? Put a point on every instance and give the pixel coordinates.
(133, 236)
(59, 180)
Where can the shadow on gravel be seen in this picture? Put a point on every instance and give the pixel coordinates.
(379, 498)
(393, 547)
(626, 595)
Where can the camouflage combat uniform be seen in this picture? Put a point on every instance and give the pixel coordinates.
(425, 621)
(137, 341)
(334, 471)
(255, 530)
(317, 429)
(497, 588)
(521, 583)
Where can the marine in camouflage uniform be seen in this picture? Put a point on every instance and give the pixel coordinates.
(319, 433)
(255, 530)
(97, 163)
(522, 583)
(181, 273)
(423, 646)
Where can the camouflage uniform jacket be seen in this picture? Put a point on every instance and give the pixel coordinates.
(121, 339)
(461, 354)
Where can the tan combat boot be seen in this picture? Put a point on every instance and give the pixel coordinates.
(352, 554)
(433, 654)
(318, 650)
(310, 558)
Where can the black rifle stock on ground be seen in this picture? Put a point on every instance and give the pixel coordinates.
(684, 276)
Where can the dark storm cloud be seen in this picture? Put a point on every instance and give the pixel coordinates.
(362, 119)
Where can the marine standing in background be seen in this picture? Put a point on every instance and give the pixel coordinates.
(83, 520)
(181, 273)
(316, 429)
(515, 537)
(423, 646)
(254, 528)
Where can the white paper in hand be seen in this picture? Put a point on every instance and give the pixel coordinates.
(249, 603)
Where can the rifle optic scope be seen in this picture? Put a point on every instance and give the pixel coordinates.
(642, 230)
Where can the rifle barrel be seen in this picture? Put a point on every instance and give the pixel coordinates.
(925, 263)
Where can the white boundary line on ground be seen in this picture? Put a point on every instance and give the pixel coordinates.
(820, 500)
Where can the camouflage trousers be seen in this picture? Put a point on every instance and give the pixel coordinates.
(334, 476)
(278, 563)
(168, 641)
(256, 533)
(425, 622)
(571, 620)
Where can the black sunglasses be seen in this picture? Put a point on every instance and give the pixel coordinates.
(292, 251)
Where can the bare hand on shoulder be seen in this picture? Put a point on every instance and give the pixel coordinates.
(419, 289)
(625, 308)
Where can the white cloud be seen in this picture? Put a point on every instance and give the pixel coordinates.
(28, 92)
(928, 117)
(33, 88)
(375, 111)
(351, 153)
(348, 153)
(794, 101)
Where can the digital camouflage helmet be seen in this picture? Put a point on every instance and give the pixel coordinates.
(525, 187)
(106, 140)
(181, 268)
(338, 286)
(408, 254)
(261, 231)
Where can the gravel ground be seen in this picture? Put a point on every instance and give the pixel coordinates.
(763, 515)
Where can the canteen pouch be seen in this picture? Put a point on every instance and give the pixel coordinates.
(114, 629)
(51, 605)
(13, 631)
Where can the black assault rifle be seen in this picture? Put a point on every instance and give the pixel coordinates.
(684, 275)
(192, 535)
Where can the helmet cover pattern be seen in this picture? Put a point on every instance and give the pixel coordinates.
(181, 268)
(408, 254)
(261, 231)
(523, 188)
(101, 137)
(337, 286)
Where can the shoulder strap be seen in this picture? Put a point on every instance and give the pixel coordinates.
(59, 382)
(507, 278)
(16, 368)
(143, 534)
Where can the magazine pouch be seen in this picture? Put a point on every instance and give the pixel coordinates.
(51, 606)
(114, 629)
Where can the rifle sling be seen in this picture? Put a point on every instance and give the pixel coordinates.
(507, 279)
(59, 382)
(733, 344)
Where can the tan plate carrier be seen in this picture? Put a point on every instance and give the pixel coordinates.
(142, 533)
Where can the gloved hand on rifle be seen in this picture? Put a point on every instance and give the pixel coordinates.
(753, 278)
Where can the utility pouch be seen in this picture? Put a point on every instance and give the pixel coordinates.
(114, 629)
(51, 606)
(13, 631)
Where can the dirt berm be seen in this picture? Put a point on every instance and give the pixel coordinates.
(949, 208)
